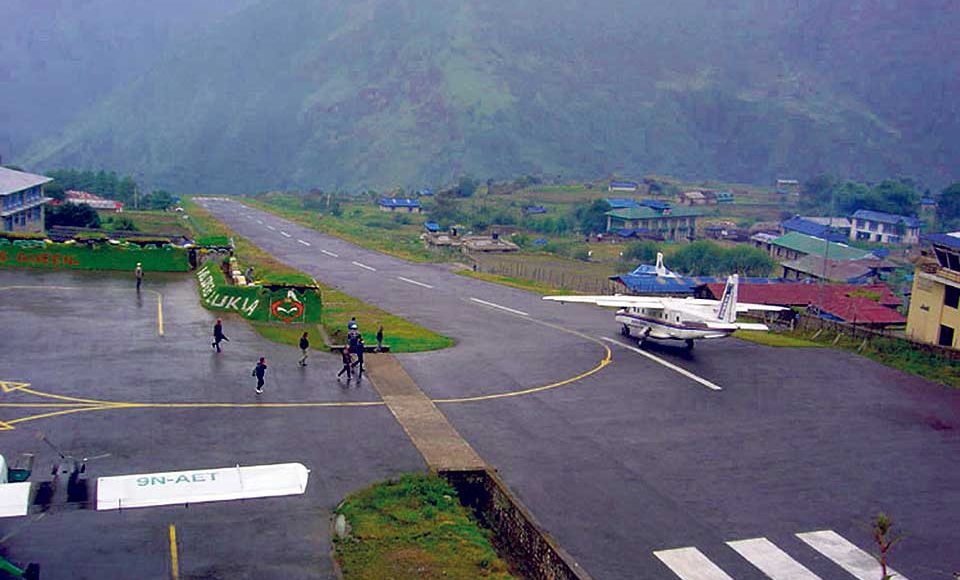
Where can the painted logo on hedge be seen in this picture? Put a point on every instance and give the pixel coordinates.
(288, 308)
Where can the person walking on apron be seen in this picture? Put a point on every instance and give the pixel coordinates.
(347, 362)
(304, 347)
(259, 371)
(218, 335)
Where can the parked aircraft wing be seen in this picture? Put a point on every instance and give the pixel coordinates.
(612, 301)
(746, 307)
(14, 499)
(201, 485)
(751, 326)
(719, 325)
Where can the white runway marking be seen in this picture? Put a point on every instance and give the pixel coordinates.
(492, 305)
(849, 557)
(409, 281)
(331, 254)
(284, 234)
(667, 364)
(260, 222)
(364, 266)
(303, 242)
(771, 560)
(691, 564)
(271, 228)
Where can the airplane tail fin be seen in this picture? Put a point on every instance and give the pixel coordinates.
(660, 268)
(727, 309)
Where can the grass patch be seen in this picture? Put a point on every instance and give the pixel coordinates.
(413, 528)
(402, 335)
(361, 224)
(154, 222)
(288, 334)
(520, 283)
(775, 339)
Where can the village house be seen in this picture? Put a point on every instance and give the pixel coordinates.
(400, 204)
(669, 223)
(934, 315)
(794, 245)
(629, 186)
(21, 200)
(886, 228)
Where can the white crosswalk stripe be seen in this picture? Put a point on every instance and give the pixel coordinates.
(691, 564)
(771, 560)
(849, 557)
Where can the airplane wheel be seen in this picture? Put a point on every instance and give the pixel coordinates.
(625, 330)
(689, 342)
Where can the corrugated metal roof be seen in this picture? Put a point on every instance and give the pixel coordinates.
(622, 202)
(886, 218)
(625, 184)
(844, 270)
(12, 181)
(644, 212)
(810, 245)
(951, 240)
(845, 301)
(807, 227)
(432, 226)
(399, 202)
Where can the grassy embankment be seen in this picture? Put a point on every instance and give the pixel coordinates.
(362, 224)
(402, 335)
(152, 222)
(412, 528)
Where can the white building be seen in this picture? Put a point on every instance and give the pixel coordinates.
(21, 201)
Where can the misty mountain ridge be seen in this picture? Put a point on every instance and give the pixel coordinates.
(375, 94)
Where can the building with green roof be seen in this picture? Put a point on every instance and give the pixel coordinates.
(670, 223)
(794, 245)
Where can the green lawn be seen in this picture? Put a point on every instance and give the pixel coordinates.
(411, 528)
(402, 335)
(775, 339)
(154, 222)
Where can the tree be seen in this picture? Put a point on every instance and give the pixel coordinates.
(644, 251)
(72, 214)
(467, 186)
(158, 199)
(948, 207)
(592, 217)
(700, 258)
(55, 190)
(747, 261)
(899, 196)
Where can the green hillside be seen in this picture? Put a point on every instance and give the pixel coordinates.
(374, 94)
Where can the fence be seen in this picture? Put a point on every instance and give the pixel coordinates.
(558, 277)
(805, 323)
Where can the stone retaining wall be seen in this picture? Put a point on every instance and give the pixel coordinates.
(518, 538)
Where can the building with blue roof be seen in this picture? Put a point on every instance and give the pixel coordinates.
(622, 202)
(432, 227)
(400, 204)
(623, 186)
(887, 228)
(534, 210)
(644, 280)
(811, 228)
(655, 204)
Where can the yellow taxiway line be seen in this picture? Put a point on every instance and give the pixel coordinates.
(174, 554)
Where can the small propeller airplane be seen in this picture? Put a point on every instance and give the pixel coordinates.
(668, 318)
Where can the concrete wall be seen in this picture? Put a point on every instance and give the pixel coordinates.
(928, 312)
(517, 537)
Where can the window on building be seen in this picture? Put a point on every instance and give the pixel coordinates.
(946, 336)
(953, 261)
(873, 226)
(951, 297)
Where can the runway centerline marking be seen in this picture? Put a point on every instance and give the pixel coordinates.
(303, 242)
(504, 308)
(331, 254)
(414, 282)
(271, 228)
(364, 266)
(668, 364)
(260, 222)
(284, 234)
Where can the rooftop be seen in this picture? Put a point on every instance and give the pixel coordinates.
(644, 212)
(811, 228)
(622, 202)
(810, 245)
(850, 302)
(951, 240)
(12, 181)
(399, 202)
(841, 270)
(886, 218)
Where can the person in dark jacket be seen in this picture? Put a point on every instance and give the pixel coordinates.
(347, 361)
(358, 350)
(259, 371)
(218, 335)
(380, 338)
(304, 347)
(138, 274)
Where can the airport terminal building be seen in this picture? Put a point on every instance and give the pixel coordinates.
(21, 201)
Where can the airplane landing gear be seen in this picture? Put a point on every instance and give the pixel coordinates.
(625, 330)
(643, 337)
(689, 342)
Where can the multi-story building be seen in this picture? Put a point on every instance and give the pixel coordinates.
(934, 315)
(886, 228)
(21, 200)
(666, 222)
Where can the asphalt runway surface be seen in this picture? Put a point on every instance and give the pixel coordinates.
(636, 458)
(618, 461)
(89, 335)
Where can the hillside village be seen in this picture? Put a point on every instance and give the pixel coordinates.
(866, 267)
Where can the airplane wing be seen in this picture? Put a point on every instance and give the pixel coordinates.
(736, 325)
(612, 301)
(747, 307)
(201, 485)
